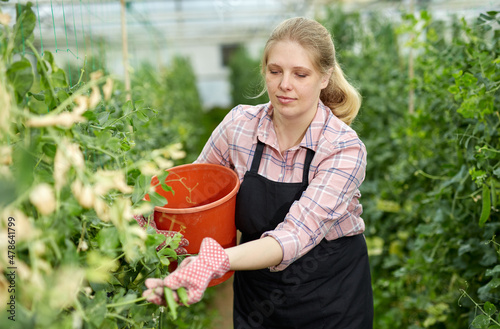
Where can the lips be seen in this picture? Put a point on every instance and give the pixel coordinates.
(285, 100)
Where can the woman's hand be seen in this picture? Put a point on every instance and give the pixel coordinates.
(169, 234)
(194, 274)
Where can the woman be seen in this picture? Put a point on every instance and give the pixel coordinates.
(302, 260)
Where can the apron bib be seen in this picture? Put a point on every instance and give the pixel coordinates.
(329, 287)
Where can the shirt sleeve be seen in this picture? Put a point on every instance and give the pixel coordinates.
(329, 206)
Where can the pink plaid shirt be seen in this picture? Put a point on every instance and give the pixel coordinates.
(329, 208)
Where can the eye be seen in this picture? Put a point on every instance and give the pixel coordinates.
(274, 71)
(301, 75)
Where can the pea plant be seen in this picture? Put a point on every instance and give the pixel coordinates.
(431, 193)
(73, 173)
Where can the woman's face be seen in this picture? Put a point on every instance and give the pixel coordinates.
(293, 83)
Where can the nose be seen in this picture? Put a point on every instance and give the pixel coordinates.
(285, 83)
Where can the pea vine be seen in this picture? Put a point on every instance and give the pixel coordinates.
(75, 165)
(430, 198)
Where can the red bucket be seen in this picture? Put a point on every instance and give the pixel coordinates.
(202, 205)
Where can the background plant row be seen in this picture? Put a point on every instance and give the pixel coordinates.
(433, 176)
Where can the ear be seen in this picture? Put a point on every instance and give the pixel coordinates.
(326, 78)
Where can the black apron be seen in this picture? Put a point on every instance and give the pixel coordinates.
(329, 287)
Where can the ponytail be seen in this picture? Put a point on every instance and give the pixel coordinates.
(341, 97)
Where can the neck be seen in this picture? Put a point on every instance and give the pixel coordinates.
(290, 132)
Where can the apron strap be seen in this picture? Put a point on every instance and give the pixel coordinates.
(307, 165)
(256, 157)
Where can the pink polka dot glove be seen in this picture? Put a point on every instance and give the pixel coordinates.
(169, 234)
(194, 274)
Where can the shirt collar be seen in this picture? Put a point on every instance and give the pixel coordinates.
(265, 131)
(267, 135)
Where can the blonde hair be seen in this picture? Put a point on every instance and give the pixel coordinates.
(340, 96)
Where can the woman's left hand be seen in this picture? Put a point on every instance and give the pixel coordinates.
(169, 234)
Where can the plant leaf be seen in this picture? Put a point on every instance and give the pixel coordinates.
(481, 321)
(21, 76)
(25, 24)
(140, 188)
(489, 308)
(157, 200)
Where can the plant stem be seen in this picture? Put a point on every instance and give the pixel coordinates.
(122, 117)
(103, 151)
(464, 293)
(82, 235)
(114, 315)
(488, 149)
(80, 310)
(82, 71)
(118, 257)
(44, 70)
(140, 299)
(420, 172)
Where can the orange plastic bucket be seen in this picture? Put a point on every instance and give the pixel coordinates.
(202, 205)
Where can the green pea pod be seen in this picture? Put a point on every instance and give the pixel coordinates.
(183, 297)
(172, 305)
(485, 212)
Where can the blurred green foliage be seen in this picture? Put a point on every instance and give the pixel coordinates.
(172, 92)
(433, 175)
(245, 79)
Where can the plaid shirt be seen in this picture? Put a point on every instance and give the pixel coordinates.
(329, 208)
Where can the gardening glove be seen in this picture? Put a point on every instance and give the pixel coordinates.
(194, 274)
(169, 234)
